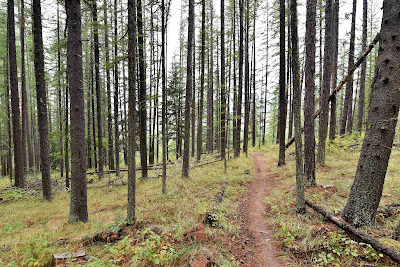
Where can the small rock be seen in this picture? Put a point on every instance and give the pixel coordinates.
(325, 186)
(156, 229)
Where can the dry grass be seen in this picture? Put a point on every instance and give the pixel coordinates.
(308, 231)
(29, 224)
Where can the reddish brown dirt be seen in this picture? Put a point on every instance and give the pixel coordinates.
(256, 245)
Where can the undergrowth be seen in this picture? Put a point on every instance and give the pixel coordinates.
(310, 239)
(29, 225)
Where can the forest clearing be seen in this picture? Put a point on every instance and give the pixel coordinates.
(168, 133)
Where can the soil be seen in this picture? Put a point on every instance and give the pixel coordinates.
(256, 245)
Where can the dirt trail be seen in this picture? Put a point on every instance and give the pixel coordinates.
(256, 246)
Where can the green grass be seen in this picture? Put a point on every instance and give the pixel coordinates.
(310, 239)
(28, 225)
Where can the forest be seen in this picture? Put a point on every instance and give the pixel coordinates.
(209, 133)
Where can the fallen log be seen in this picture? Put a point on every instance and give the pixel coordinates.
(343, 82)
(356, 233)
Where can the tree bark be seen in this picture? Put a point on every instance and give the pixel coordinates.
(189, 87)
(24, 102)
(164, 101)
(300, 200)
(332, 124)
(201, 103)
(116, 90)
(41, 99)
(363, 69)
(366, 191)
(98, 90)
(309, 106)
(246, 83)
(282, 81)
(16, 121)
(323, 121)
(142, 91)
(131, 207)
(240, 91)
(78, 204)
(108, 82)
(223, 84)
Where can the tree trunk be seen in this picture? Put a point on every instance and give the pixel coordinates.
(332, 125)
(240, 91)
(24, 102)
(108, 82)
(300, 200)
(223, 84)
(323, 121)
(78, 205)
(363, 69)
(41, 99)
(9, 155)
(131, 207)
(210, 90)
(246, 84)
(116, 90)
(164, 101)
(142, 91)
(253, 119)
(366, 191)
(282, 81)
(189, 85)
(203, 48)
(98, 91)
(60, 111)
(347, 118)
(309, 106)
(16, 122)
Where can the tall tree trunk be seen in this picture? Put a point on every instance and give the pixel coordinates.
(246, 84)
(116, 90)
(323, 118)
(98, 91)
(266, 83)
(347, 118)
(189, 85)
(235, 97)
(108, 81)
(164, 101)
(193, 107)
(93, 120)
(223, 84)
(332, 125)
(201, 103)
(300, 201)
(12, 57)
(131, 208)
(7, 81)
(78, 205)
(363, 69)
(210, 89)
(41, 99)
(309, 106)
(142, 91)
(282, 91)
(240, 91)
(24, 102)
(366, 191)
(60, 111)
(253, 143)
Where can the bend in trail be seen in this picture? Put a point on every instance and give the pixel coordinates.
(256, 246)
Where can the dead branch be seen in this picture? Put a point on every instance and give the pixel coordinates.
(356, 233)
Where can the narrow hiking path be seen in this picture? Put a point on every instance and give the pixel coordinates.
(256, 245)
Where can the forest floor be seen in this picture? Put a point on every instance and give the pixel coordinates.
(255, 223)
